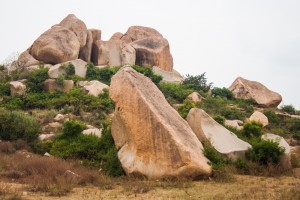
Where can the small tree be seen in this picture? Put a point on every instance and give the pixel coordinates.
(198, 82)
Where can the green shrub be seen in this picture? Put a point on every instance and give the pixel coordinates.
(293, 124)
(174, 93)
(198, 82)
(147, 71)
(4, 89)
(41, 147)
(220, 119)
(72, 128)
(69, 69)
(265, 152)
(288, 108)
(2, 67)
(103, 75)
(232, 113)
(222, 92)
(252, 129)
(18, 125)
(185, 108)
(271, 115)
(36, 80)
(216, 159)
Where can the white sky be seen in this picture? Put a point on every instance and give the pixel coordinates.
(256, 39)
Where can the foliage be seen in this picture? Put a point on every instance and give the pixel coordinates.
(216, 159)
(4, 89)
(220, 119)
(147, 71)
(252, 129)
(72, 128)
(69, 68)
(41, 147)
(271, 115)
(265, 152)
(174, 93)
(185, 108)
(222, 92)
(36, 80)
(232, 113)
(289, 109)
(2, 67)
(198, 82)
(18, 125)
(103, 75)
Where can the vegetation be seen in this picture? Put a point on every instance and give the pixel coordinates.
(222, 92)
(101, 74)
(185, 108)
(252, 129)
(36, 80)
(288, 108)
(174, 93)
(220, 119)
(197, 83)
(147, 71)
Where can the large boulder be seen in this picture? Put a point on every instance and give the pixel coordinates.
(57, 45)
(245, 89)
(259, 117)
(137, 33)
(153, 51)
(285, 159)
(92, 87)
(96, 34)
(77, 26)
(224, 141)
(51, 85)
(17, 88)
(86, 51)
(107, 53)
(59, 69)
(154, 140)
(169, 77)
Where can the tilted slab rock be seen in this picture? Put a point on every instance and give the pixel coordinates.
(285, 159)
(259, 117)
(17, 88)
(57, 45)
(224, 141)
(245, 89)
(154, 140)
(169, 77)
(153, 51)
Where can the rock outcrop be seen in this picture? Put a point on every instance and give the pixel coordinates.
(107, 53)
(259, 117)
(224, 141)
(285, 159)
(169, 77)
(17, 88)
(154, 140)
(245, 89)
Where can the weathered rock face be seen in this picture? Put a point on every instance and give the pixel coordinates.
(17, 88)
(195, 96)
(285, 159)
(259, 117)
(153, 51)
(107, 53)
(153, 139)
(116, 36)
(57, 45)
(139, 32)
(77, 26)
(128, 55)
(169, 77)
(58, 70)
(24, 60)
(245, 89)
(224, 141)
(92, 87)
(86, 51)
(51, 85)
(96, 34)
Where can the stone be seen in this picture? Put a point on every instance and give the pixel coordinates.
(153, 51)
(96, 34)
(107, 53)
(195, 97)
(237, 124)
(57, 45)
(47, 154)
(168, 77)
(44, 137)
(24, 60)
(93, 131)
(92, 87)
(285, 159)
(58, 69)
(86, 51)
(245, 89)
(17, 88)
(153, 139)
(51, 85)
(51, 128)
(224, 141)
(259, 117)
(116, 36)
(59, 118)
(128, 55)
(137, 33)
(77, 26)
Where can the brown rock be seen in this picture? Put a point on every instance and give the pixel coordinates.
(153, 51)
(57, 45)
(107, 53)
(139, 32)
(51, 85)
(96, 34)
(77, 26)
(128, 55)
(237, 124)
(195, 97)
(92, 87)
(153, 139)
(116, 36)
(259, 117)
(17, 88)
(168, 77)
(24, 60)
(86, 51)
(245, 89)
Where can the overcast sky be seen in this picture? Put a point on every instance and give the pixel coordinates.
(256, 39)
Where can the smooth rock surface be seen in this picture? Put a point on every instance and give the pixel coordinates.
(137, 33)
(169, 77)
(154, 140)
(86, 51)
(107, 53)
(259, 117)
(44, 137)
(224, 141)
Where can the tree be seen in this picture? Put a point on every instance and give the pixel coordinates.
(198, 82)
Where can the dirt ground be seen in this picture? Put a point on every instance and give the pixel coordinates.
(243, 187)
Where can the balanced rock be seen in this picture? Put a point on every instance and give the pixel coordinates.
(169, 77)
(51, 85)
(107, 53)
(285, 159)
(259, 117)
(57, 45)
(92, 87)
(153, 51)
(17, 88)
(245, 89)
(195, 97)
(154, 140)
(224, 141)
(60, 69)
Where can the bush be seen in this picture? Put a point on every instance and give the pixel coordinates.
(18, 125)
(185, 108)
(252, 129)
(216, 159)
(72, 129)
(69, 69)
(103, 75)
(222, 92)
(174, 93)
(4, 89)
(198, 82)
(2, 67)
(288, 108)
(265, 152)
(36, 80)
(41, 147)
(220, 119)
(232, 113)
(271, 115)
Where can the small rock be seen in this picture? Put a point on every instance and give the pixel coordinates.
(93, 131)
(17, 88)
(195, 97)
(44, 137)
(47, 154)
(260, 117)
(59, 118)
